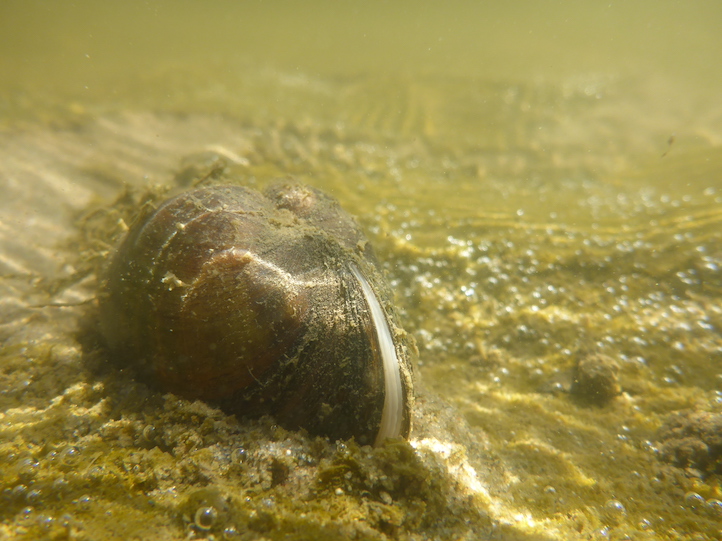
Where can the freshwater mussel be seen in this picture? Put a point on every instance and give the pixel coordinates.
(268, 303)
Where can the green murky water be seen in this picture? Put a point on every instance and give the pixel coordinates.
(543, 182)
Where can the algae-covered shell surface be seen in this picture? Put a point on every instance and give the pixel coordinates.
(549, 239)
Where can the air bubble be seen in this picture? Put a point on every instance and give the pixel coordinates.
(616, 506)
(694, 500)
(205, 518)
(231, 534)
(150, 433)
(70, 456)
(715, 507)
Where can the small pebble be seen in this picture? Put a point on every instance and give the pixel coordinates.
(595, 380)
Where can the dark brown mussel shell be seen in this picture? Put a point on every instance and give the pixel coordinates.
(257, 303)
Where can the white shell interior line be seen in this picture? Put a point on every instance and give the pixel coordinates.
(393, 411)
